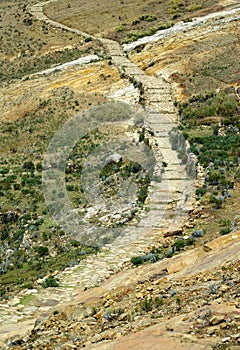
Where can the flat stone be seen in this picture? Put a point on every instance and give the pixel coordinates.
(216, 319)
(30, 310)
(51, 302)
(226, 339)
(31, 291)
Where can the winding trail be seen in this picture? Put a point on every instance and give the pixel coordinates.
(161, 117)
(176, 188)
(169, 201)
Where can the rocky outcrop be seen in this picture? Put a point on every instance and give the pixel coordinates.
(190, 300)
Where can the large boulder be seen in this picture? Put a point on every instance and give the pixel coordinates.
(113, 158)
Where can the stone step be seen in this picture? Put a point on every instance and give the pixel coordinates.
(120, 61)
(167, 151)
(177, 184)
(155, 204)
(156, 99)
(160, 88)
(163, 107)
(155, 116)
(162, 119)
(158, 123)
(160, 142)
(162, 134)
(151, 82)
(158, 94)
(133, 71)
(117, 54)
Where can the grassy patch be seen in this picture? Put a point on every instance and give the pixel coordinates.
(27, 299)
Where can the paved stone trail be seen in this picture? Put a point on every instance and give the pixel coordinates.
(168, 200)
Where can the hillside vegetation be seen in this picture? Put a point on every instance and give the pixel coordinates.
(185, 271)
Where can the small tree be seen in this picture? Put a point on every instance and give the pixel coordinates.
(29, 166)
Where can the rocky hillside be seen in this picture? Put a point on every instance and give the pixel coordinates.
(148, 254)
(191, 300)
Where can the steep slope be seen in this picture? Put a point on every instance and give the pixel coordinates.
(183, 300)
(169, 201)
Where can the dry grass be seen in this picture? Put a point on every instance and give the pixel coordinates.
(28, 45)
(195, 63)
(121, 19)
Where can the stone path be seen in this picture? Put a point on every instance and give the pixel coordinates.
(168, 201)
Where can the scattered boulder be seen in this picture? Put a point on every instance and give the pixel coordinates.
(113, 158)
(216, 319)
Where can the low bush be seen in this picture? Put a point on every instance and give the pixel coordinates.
(137, 260)
(201, 192)
(198, 233)
(225, 231)
(50, 282)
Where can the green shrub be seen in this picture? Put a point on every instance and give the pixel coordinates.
(219, 200)
(29, 165)
(225, 222)
(147, 304)
(201, 191)
(146, 141)
(158, 301)
(179, 244)
(50, 282)
(225, 231)
(74, 243)
(70, 187)
(120, 28)
(28, 286)
(137, 260)
(198, 233)
(42, 251)
(141, 137)
(4, 171)
(142, 194)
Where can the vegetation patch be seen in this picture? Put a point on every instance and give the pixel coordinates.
(219, 152)
(50, 282)
(167, 250)
(32, 244)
